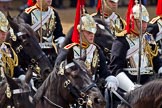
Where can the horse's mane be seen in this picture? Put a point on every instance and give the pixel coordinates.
(151, 89)
(68, 38)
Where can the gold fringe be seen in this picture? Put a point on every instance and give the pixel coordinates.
(151, 53)
(9, 62)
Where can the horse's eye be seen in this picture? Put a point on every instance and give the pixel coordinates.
(26, 43)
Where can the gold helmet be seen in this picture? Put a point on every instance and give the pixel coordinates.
(3, 22)
(136, 13)
(88, 24)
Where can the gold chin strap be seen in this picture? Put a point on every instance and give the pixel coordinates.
(107, 6)
(8, 62)
(84, 41)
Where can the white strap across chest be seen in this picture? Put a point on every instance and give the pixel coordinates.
(45, 18)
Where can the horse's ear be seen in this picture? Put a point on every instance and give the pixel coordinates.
(9, 16)
(12, 23)
(79, 63)
(13, 85)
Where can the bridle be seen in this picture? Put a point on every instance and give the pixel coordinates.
(9, 94)
(33, 60)
(79, 96)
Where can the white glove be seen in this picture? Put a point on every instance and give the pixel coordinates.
(59, 41)
(160, 70)
(137, 86)
(22, 77)
(112, 82)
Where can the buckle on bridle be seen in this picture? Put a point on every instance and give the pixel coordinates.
(82, 94)
(81, 101)
(66, 83)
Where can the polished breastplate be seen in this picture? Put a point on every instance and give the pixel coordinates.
(47, 28)
(90, 56)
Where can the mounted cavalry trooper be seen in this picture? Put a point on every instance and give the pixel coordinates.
(50, 33)
(134, 46)
(155, 26)
(125, 51)
(8, 57)
(84, 48)
(108, 11)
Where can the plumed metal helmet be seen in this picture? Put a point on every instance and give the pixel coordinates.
(88, 24)
(136, 12)
(3, 22)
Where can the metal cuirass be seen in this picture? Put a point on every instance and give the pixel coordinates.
(48, 27)
(90, 56)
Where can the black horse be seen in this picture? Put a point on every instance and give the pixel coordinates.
(146, 96)
(70, 84)
(30, 55)
(27, 48)
(16, 93)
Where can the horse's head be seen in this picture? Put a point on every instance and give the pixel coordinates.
(24, 42)
(148, 95)
(78, 87)
(15, 93)
(103, 37)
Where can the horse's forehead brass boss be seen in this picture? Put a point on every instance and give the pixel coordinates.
(37, 69)
(67, 83)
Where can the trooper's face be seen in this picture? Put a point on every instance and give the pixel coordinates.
(144, 25)
(45, 3)
(113, 5)
(3, 36)
(88, 36)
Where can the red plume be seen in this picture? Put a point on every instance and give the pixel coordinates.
(75, 35)
(130, 24)
(99, 5)
(159, 8)
(30, 3)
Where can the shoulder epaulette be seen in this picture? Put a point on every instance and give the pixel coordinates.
(121, 34)
(154, 20)
(70, 45)
(28, 10)
(52, 7)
